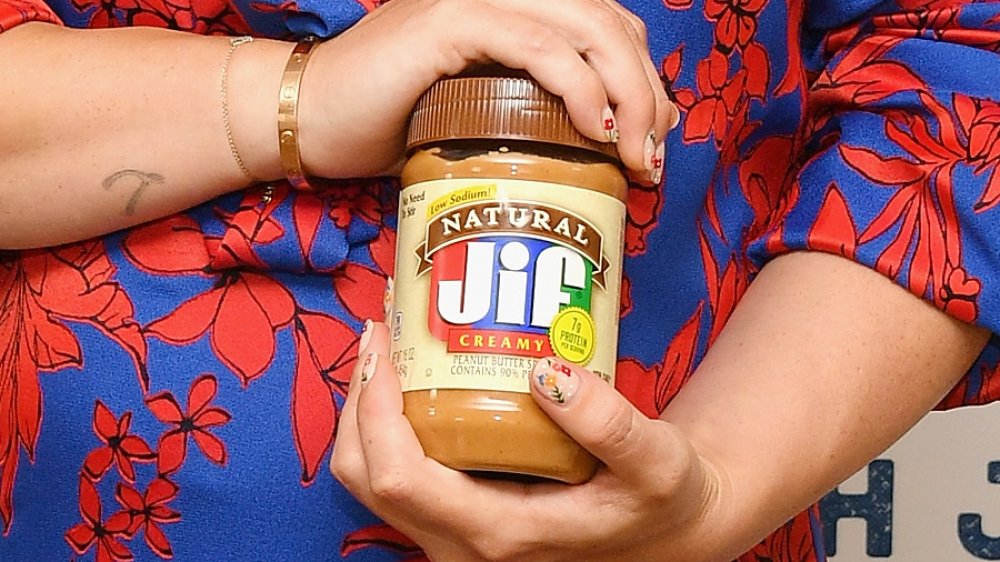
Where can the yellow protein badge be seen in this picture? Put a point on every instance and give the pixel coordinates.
(573, 335)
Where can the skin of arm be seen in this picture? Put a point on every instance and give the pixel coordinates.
(124, 126)
(823, 364)
(105, 129)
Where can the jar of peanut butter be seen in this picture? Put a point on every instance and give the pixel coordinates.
(509, 250)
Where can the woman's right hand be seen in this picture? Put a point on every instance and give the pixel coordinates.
(361, 86)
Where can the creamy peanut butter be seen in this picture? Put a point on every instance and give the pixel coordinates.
(509, 249)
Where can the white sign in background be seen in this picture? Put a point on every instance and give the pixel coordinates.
(939, 471)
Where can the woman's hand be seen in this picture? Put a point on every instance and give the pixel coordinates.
(360, 87)
(649, 502)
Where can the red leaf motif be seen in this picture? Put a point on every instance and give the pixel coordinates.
(174, 245)
(678, 360)
(242, 335)
(880, 169)
(189, 321)
(834, 228)
(39, 289)
(758, 67)
(381, 536)
(243, 311)
(862, 76)
(313, 411)
(651, 389)
(324, 352)
(642, 212)
(637, 383)
(307, 214)
(361, 289)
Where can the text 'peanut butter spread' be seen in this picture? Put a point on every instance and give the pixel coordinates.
(509, 250)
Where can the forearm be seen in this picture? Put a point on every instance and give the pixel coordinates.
(809, 380)
(103, 129)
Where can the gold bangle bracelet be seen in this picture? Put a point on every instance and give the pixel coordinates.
(234, 43)
(288, 114)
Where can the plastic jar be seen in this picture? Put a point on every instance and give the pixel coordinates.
(509, 249)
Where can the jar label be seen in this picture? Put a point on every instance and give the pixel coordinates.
(493, 275)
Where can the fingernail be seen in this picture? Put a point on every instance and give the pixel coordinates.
(649, 150)
(676, 120)
(387, 298)
(610, 125)
(556, 381)
(368, 369)
(656, 164)
(366, 336)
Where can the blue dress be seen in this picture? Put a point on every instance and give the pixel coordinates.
(172, 390)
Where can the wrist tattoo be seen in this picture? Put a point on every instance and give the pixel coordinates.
(135, 178)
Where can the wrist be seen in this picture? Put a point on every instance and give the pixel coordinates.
(254, 78)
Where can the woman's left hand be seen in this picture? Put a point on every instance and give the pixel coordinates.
(651, 500)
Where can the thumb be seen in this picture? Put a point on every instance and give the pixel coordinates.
(601, 420)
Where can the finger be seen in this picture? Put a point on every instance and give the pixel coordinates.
(521, 42)
(600, 34)
(667, 114)
(633, 447)
(397, 469)
(636, 28)
(347, 461)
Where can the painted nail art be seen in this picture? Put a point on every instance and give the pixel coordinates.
(656, 164)
(556, 381)
(610, 125)
(366, 336)
(368, 369)
(387, 298)
(649, 151)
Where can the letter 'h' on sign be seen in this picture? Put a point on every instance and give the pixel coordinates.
(875, 507)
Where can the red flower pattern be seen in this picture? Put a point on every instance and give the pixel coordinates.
(105, 534)
(206, 17)
(924, 203)
(16, 12)
(195, 421)
(39, 293)
(148, 511)
(980, 121)
(670, 70)
(243, 312)
(120, 448)
(863, 75)
(35, 324)
(736, 21)
(719, 98)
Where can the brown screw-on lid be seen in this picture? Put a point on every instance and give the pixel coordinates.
(495, 103)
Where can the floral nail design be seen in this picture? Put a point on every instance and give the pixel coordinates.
(610, 125)
(368, 369)
(556, 381)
